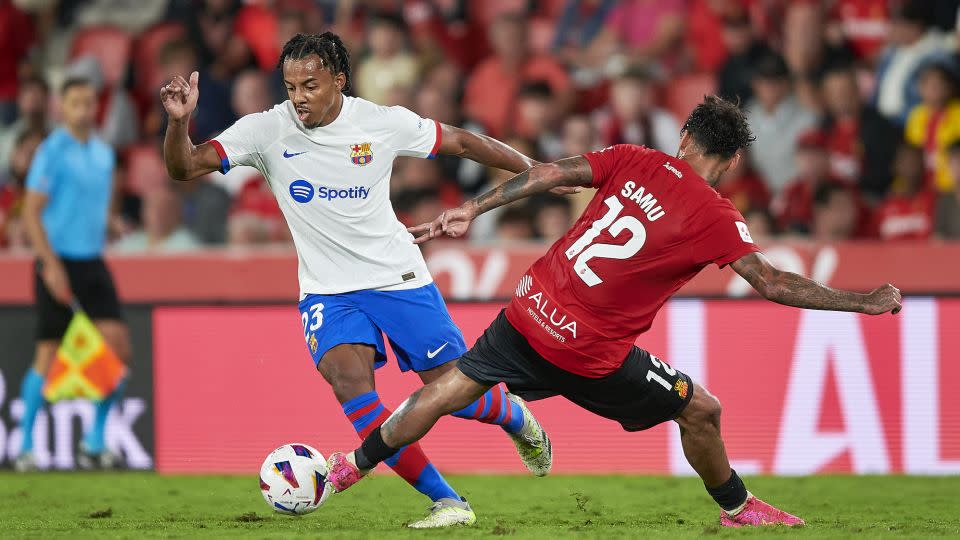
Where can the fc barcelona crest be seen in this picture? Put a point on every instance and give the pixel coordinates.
(360, 154)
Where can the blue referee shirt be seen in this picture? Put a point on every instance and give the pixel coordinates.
(77, 178)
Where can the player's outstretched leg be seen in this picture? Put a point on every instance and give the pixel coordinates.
(510, 412)
(703, 448)
(409, 424)
(351, 377)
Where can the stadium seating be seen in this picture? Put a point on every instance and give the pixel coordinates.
(111, 47)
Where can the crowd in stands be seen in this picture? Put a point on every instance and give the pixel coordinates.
(855, 103)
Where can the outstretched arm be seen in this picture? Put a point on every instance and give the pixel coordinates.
(568, 172)
(459, 142)
(795, 290)
(184, 161)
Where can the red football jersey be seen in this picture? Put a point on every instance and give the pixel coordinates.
(653, 224)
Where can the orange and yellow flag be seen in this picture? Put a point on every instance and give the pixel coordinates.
(85, 366)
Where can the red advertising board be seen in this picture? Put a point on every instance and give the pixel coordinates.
(474, 273)
(803, 392)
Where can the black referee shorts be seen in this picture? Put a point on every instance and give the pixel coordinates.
(644, 392)
(93, 288)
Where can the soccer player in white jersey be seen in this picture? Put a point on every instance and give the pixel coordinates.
(328, 158)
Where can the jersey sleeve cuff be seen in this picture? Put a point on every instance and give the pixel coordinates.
(436, 144)
(224, 161)
(736, 255)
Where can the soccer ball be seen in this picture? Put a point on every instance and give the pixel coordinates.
(293, 479)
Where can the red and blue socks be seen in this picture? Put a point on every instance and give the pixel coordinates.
(494, 407)
(366, 413)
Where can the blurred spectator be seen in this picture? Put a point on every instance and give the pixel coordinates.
(579, 136)
(744, 51)
(807, 51)
(491, 91)
(761, 224)
(793, 207)
(417, 174)
(418, 205)
(388, 65)
(552, 216)
(444, 26)
(162, 230)
(947, 210)
(256, 24)
(861, 142)
(744, 188)
(31, 116)
(777, 120)
(864, 24)
(210, 29)
(908, 212)
(255, 217)
(178, 58)
(116, 112)
(643, 31)
(513, 226)
(16, 38)
(484, 227)
(250, 94)
(912, 41)
(634, 116)
(935, 123)
(706, 28)
(537, 119)
(131, 15)
(835, 213)
(579, 24)
(435, 102)
(12, 234)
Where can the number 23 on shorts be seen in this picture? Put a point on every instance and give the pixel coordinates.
(312, 320)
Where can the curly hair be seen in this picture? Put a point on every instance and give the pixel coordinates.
(328, 46)
(719, 127)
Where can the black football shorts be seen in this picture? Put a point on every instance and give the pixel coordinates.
(93, 287)
(643, 392)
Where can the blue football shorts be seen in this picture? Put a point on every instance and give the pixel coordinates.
(416, 322)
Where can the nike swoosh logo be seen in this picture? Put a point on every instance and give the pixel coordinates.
(431, 354)
(287, 154)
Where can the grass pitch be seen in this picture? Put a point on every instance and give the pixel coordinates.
(137, 505)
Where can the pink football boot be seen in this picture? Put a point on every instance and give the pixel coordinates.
(341, 474)
(758, 513)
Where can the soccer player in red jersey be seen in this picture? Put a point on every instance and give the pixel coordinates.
(570, 330)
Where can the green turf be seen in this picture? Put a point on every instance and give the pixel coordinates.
(135, 505)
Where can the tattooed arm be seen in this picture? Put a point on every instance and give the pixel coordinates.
(795, 290)
(568, 172)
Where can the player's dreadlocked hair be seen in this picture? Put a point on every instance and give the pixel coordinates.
(719, 127)
(328, 46)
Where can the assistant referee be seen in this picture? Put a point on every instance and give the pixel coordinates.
(65, 214)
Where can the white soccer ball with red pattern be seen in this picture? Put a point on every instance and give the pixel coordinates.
(293, 479)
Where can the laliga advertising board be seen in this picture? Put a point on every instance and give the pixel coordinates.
(803, 392)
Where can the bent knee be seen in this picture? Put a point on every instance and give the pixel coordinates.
(703, 410)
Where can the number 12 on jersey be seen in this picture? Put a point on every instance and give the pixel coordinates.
(584, 249)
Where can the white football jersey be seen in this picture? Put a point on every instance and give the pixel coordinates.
(333, 186)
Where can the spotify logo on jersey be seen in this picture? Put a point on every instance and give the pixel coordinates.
(301, 191)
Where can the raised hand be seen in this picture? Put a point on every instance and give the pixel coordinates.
(453, 223)
(882, 300)
(179, 97)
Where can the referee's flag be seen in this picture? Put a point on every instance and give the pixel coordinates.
(85, 366)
